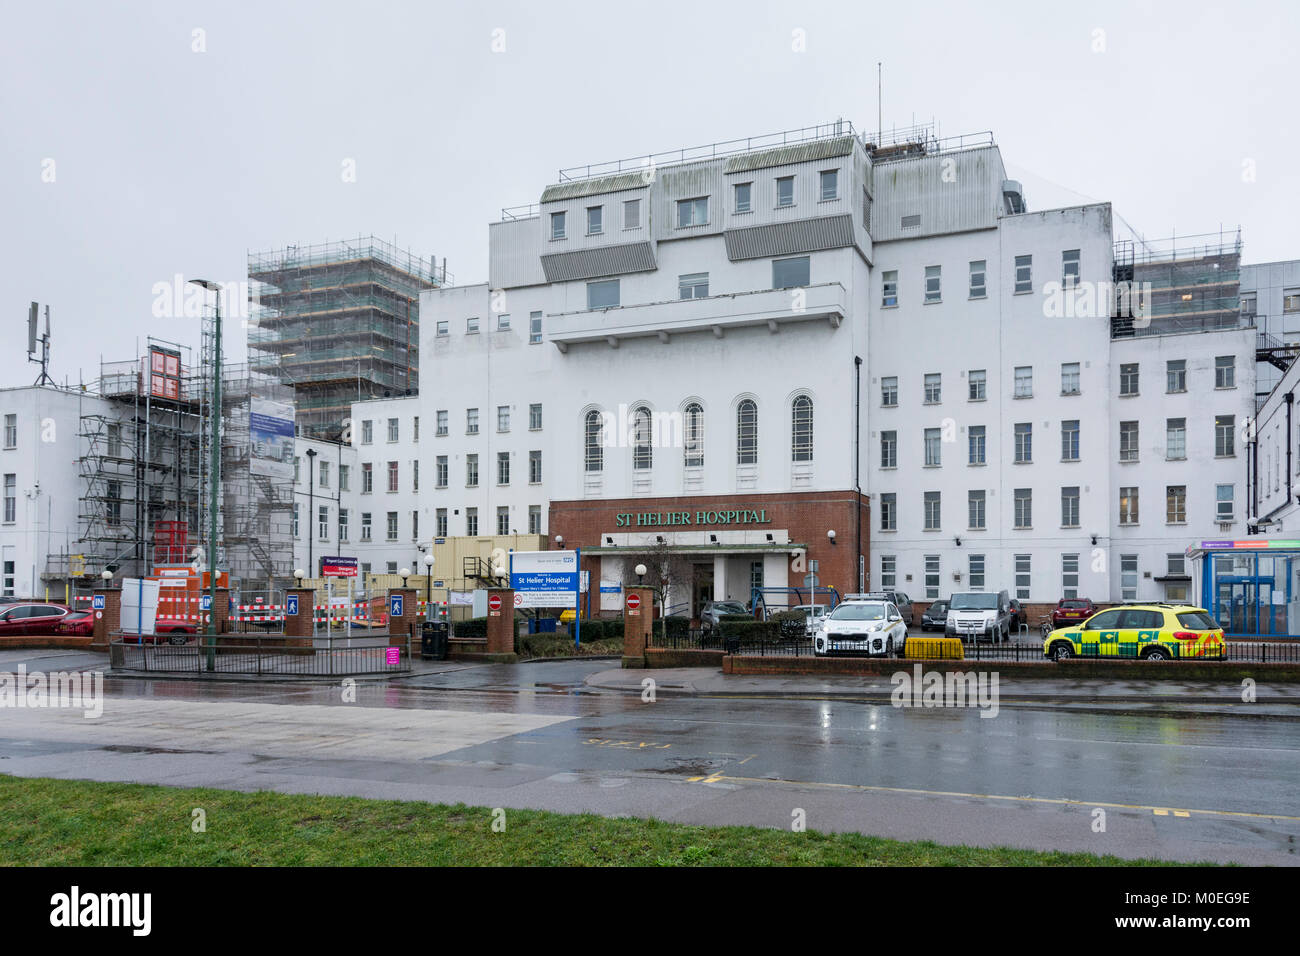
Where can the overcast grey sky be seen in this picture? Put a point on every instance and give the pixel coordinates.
(167, 160)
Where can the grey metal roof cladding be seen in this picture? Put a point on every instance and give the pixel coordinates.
(602, 261)
(782, 155)
(786, 238)
(592, 187)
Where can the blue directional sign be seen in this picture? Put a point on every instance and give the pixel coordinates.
(395, 605)
(97, 602)
(291, 605)
(205, 602)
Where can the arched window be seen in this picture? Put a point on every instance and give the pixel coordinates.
(593, 441)
(747, 432)
(642, 452)
(801, 433)
(693, 435)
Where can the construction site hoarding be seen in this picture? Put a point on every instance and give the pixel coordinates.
(271, 437)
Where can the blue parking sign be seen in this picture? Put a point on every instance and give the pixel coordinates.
(97, 602)
(205, 602)
(291, 605)
(395, 605)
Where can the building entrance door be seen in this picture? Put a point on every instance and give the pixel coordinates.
(701, 588)
(1246, 604)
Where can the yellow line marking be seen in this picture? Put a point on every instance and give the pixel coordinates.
(1050, 801)
(1160, 813)
(1182, 813)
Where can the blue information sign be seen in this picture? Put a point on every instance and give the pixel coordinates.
(395, 605)
(291, 605)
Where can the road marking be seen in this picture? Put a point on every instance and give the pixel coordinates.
(1051, 801)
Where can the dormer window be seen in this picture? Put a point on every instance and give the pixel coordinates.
(692, 212)
(557, 225)
(595, 220)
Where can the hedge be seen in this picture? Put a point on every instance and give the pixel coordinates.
(474, 627)
(747, 629)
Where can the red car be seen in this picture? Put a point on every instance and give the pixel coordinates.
(77, 624)
(1070, 611)
(170, 629)
(31, 617)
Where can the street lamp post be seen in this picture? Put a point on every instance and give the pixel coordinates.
(428, 587)
(215, 474)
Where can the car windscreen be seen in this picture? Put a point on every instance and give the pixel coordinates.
(974, 602)
(1074, 605)
(730, 608)
(1197, 621)
(858, 612)
(938, 607)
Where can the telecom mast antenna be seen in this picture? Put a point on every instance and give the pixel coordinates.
(33, 314)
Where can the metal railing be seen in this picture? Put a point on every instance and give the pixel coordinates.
(265, 655)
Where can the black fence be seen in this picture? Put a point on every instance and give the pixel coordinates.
(268, 655)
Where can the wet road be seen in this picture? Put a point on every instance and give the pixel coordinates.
(1190, 786)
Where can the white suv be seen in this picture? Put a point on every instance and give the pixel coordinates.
(861, 627)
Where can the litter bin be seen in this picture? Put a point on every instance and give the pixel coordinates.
(433, 640)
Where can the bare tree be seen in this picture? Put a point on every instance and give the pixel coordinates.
(666, 570)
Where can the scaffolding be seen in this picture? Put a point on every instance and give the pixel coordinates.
(338, 323)
(1183, 284)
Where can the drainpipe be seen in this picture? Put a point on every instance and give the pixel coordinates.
(1289, 398)
(857, 465)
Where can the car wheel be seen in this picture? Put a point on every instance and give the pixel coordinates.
(1062, 651)
(1155, 654)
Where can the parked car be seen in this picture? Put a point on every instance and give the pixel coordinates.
(713, 611)
(896, 598)
(76, 624)
(935, 617)
(1021, 615)
(976, 615)
(167, 630)
(814, 614)
(1070, 611)
(1152, 632)
(31, 617)
(861, 626)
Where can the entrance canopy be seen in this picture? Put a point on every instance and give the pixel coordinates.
(1251, 586)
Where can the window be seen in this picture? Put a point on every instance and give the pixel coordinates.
(415, 474)
(440, 471)
(1128, 441)
(933, 388)
(755, 576)
(933, 277)
(888, 571)
(603, 294)
(1176, 375)
(1175, 504)
(415, 429)
(1024, 277)
(976, 575)
(440, 523)
(1070, 440)
(392, 429)
(1128, 379)
(392, 567)
(323, 522)
(889, 391)
(471, 522)
(889, 289)
(471, 421)
(1223, 503)
(976, 445)
(471, 325)
(801, 428)
(743, 194)
(1225, 371)
(889, 449)
(693, 286)
(1175, 439)
(1024, 510)
(866, 209)
(503, 322)
(1291, 300)
(747, 433)
(367, 478)
(534, 519)
(503, 520)
(631, 218)
(343, 524)
(114, 436)
(830, 184)
(1070, 506)
(1224, 426)
(367, 432)
(557, 225)
(295, 519)
(1069, 575)
(1024, 381)
(535, 417)
(441, 427)
(392, 476)
(1128, 577)
(977, 385)
(1024, 564)
(344, 472)
(791, 273)
(932, 503)
(1024, 442)
(692, 212)
(932, 448)
(642, 439)
(889, 511)
(785, 191)
(975, 510)
(503, 468)
(535, 467)
(443, 327)
(114, 495)
(595, 220)
(593, 442)
(1128, 505)
(1070, 267)
(932, 582)
(324, 474)
(693, 445)
(471, 471)
(534, 328)
(365, 526)
(1248, 304)
(415, 526)
(11, 436)
(1069, 378)
(977, 276)
(503, 418)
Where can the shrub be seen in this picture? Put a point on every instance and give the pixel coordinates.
(793, 625)
(474, 627)
(748, 630)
